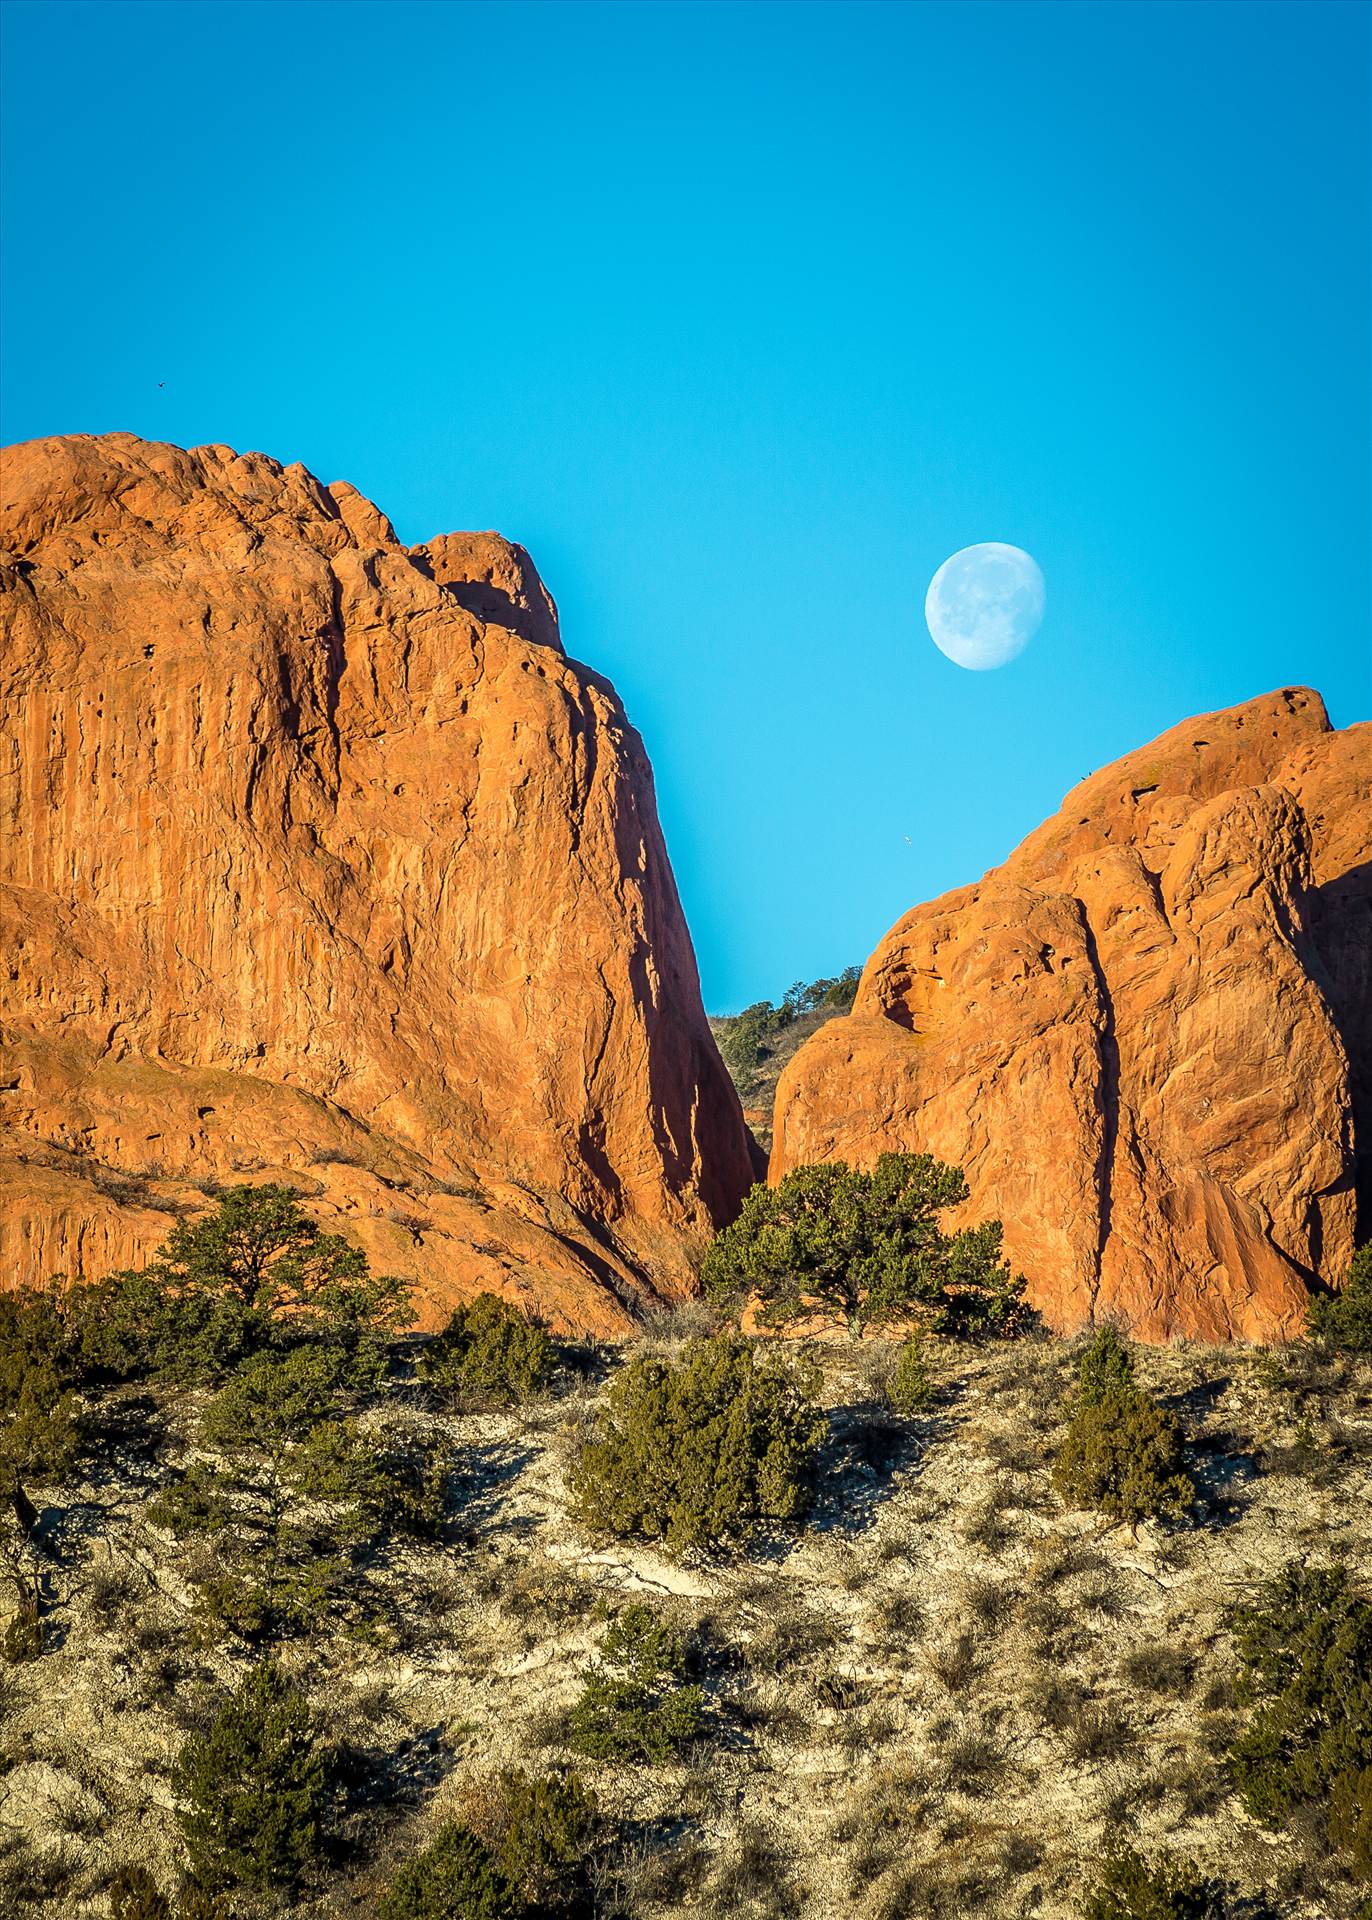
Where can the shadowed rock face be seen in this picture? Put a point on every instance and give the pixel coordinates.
(319, 859)
(1136, 1035)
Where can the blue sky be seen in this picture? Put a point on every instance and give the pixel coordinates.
(743, 318)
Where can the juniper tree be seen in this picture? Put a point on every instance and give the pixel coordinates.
(255, 1787)
(863, 1247)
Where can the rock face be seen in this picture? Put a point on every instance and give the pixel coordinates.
(320, 859)
(1136, 1035)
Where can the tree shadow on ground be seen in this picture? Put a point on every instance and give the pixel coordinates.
(1226, 1476)
(868, 1451)
(379, 1786)
(487, 1472)
(126, 1440)
(1224, 1467)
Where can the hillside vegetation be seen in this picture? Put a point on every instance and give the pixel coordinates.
(305, 1615)
(756, 1043)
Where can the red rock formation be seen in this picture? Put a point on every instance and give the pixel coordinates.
(1135, 1035)
(319, 859)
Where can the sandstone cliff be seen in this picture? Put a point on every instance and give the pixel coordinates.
(1136, 1035)
(320, 859)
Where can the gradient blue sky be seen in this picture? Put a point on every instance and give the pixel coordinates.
(742, 318)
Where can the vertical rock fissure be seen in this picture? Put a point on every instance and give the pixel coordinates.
(1110, 1106)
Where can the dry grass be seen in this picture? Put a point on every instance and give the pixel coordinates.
(941, 1702)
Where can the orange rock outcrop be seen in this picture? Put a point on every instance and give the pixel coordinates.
(321, 860)
(1146, 1037)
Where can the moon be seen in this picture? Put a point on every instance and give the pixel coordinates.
(984, 605)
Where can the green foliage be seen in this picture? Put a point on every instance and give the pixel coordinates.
(544, 1829)
(136, 1326)
(1350, 1818)
(412, 1485)
(455, 1878)
(1304, 1648)
(699, 1451)
(23, 1638)
(489, 1351)
(528, 1862)
(1131, 1889)
(254, 1789)
(193, 1903)
(909, 1390)
(255, 1272)
(1343, 1320)
(288, 1491)
(40, 1437)
(1122, 1452)
(864, 1247)
(744, 1037)
(1104, 1368)
(637, 1704)
(135, 1895)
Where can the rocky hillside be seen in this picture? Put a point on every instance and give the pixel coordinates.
(946, 1696)
(1145, 1037)
(320, 858)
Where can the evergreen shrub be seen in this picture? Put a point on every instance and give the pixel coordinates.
(864, 1248)
(1304, 1650)
(255, 1788)
(638, 1705)
(700, 1451)
(489, 1351)
(1122, 1453)
(909, 1390)
(455, 1877)
(1343, 1320)
(1132, 1888)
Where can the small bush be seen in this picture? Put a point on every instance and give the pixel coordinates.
(1304, 1649)
(1098, 1734)
(1104, 1368)
(1131, 1889)
(1122, 1452)
(255, 1787)
(637, 1705)
(865, 1248)
(488, 1350)
(545, 1829)
(956, 1662)
(1160, 1669)
(24, 1638)
(1343, 1320)
(909, 1389)
(700, 1451)
(454, 1878)
(135, 1895)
